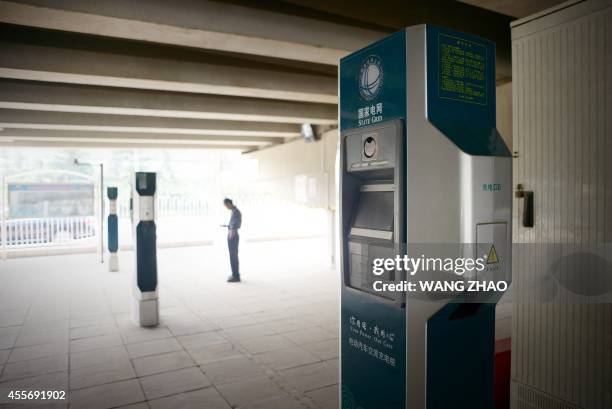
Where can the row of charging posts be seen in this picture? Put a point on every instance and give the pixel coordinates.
(144, 284)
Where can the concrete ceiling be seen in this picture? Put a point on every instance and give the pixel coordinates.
(197, 73)
(193, 73)
(514, 8)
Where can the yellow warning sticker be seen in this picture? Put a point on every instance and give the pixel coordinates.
(492, 257)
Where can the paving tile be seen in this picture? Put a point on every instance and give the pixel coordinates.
(12, 317)
(47, 324)
(324, 349)
(102, 341)
(282, 402)
(37, 405)
(214, 314)
(142, 405)
(287, 325)
(97, 357)
(34, 367)
(41, 336)
(309, 377)
(125, 321)
(170, 383)
(93, 320)
(134, 335)
(12, 304)
(333, 329)
(191, 327)
(107, 372)
(157, 346)
(4, 354)
(38, 351)
(89, 312)
(308, 335)
(250, 391)
(266, 343)
(318, 318)
(161, 363)
(235, 321)
(270, 316)
(334, 363)
(207, 398)
(93, 331)
(249, 331)
(7, 341)
(52, 381)
(213, 352)
(231, 369)
(326, 397)
(12, 330)
(107, 396)
(201, 340)
(286, 358)
(176, 311)
(49, 310)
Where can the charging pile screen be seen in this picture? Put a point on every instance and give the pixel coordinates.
(375, 211)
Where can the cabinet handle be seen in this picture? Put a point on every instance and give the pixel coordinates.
(528, 213)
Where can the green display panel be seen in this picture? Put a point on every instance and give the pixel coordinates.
(463, 69)
(461, 91)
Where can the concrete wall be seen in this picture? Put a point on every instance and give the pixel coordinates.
(301, 177)
(279, 167)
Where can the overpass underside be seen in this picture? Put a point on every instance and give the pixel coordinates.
(189, 74)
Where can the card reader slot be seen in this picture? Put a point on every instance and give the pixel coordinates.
(371, 233)
(383, 187)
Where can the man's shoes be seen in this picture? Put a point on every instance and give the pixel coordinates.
(233, 279)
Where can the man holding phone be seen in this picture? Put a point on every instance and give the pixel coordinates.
(233, 239)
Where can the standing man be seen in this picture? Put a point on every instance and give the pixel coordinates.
(233, 239)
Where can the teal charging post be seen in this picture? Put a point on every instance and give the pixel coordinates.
(113, 229)
(422, 166)
(146, 303)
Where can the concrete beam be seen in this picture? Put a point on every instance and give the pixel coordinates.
(77, 66)
(119, 101)
(113, 145)
(457, 15)
(60, 121)
(134, 142)
(199, 24)
(133, 137)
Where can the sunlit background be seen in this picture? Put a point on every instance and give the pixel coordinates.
(51, 197)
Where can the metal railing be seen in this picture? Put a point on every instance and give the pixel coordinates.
(171, 206)
(47, 231)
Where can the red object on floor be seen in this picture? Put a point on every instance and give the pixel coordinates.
(501, 380)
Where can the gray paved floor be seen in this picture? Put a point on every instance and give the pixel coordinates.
(269, 342)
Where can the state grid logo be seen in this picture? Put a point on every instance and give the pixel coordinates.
(370, 78)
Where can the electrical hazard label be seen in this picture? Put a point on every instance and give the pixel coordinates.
(492, 256)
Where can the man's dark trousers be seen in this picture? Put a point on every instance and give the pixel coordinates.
(232, 244)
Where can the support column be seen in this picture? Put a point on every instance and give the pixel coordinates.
(113, 229)
(146, 306)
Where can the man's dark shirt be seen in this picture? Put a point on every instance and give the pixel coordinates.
(235, 220)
